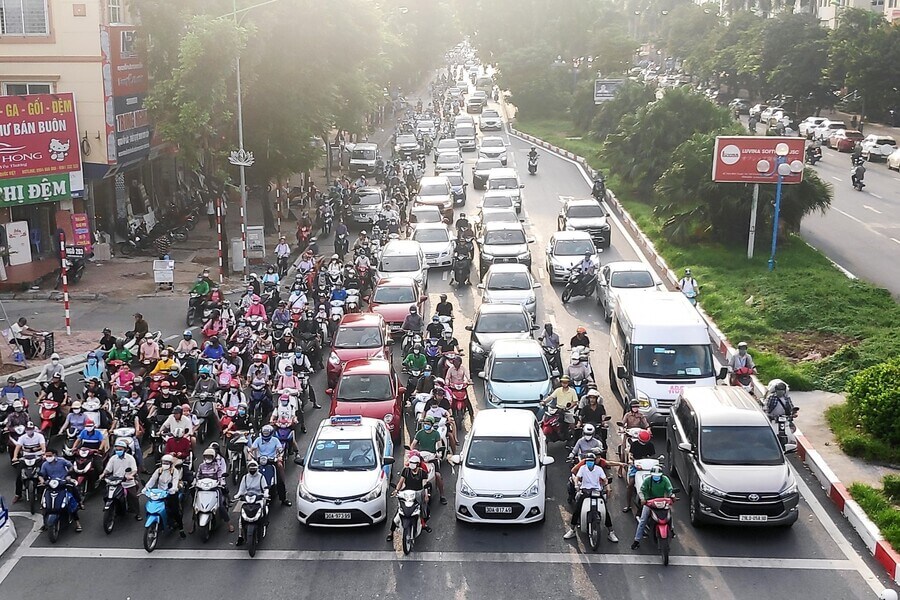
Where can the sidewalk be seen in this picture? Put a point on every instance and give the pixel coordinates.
(868, 128)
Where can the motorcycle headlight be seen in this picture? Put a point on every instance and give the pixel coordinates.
(304, 493)
(532, 491)
(334, 359)
(711, 491)
(465, 490)
(375, 493)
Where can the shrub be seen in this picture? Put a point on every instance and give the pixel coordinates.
(891, 485)
(874, 397)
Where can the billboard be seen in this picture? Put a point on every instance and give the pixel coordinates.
(128, 127)
(38, 136)
(752, 159)
(605, 89)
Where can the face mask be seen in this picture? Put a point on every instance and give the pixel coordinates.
(416, 351)
(18, 409)
(92, 361)
(587, 436)
(89, 429)
(590, 464)
(252, 471)
(120, 453)
(166, 465)
(76, 411)
(427, 427)
(284, 402)
(656, 477)
(242, 412)
(208, 460)
(55, 361)
(50, 459)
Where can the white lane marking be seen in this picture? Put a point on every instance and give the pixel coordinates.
(874, 210)
(836, 178)
(444, 276)
(859, 565)
(849, 216)
(541, 273)
(877, 196)
(895, 240)
(811, 564)
(26, 543)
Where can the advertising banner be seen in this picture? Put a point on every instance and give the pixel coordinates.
(38, 135)
(605, 89)
(81, 231)
(128, 131)
(752, 159)
(35, 190)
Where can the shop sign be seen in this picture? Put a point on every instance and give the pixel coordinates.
(35, 190)
(38, 135)
(81, 231)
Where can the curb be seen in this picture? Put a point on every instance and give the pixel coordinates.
(70, 361)
(883, 552)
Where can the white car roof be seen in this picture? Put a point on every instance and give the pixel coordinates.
(401, 247)
(506, 268)
(517, 349)
(628, 265)
(503, 422)
(364, 431)
(571, 235)
(423, 226)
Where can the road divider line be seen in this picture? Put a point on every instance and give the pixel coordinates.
(836, 178)
(848, 215)
(877, 196)
(895, 240)
(874, 210)
(805, 564)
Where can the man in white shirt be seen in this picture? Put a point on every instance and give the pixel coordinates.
(689, 286)
(590, 476)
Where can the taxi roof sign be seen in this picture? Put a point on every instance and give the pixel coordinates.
(341, 420)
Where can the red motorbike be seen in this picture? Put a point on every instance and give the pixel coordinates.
(155, 383)
(82, 468)
(661, 514)
(304, 232)
(50, 417)
(459, 396)
(555, 427)
(743, 377)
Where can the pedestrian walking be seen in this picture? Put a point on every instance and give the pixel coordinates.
(854, 122)
(211, 212)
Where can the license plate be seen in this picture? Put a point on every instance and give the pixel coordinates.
(337, 516)
(754, 518)
(498, 510)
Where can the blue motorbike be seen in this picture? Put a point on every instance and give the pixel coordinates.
(157, 517)
(59, 507)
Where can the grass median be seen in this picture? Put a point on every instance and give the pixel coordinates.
(882, 506)
(806, 322)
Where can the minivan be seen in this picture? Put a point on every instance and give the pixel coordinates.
(403, 258)
(659, 346)
(363, 157)
(729, 460)
(507, 179)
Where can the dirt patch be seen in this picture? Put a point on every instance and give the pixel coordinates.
(799, 346)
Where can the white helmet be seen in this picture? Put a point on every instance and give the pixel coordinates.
(887, 594)
(588, 430)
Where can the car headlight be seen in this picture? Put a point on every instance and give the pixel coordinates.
(643, 399)
(531, 301)
(789, 491)
(304, 493)
(524, 256)
(711, 491)
(465, 490)
(375, 493)
(478, 348)
(532, 491)
(334, 359)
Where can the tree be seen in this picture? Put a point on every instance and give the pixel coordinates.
(685, 26)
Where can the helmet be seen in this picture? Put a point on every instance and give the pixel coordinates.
(687, 272)
(178, 433)
(107, 330)
(254, 298)
(204, 370)
(781, 386)
(435, 319)
(165, 385)
(656, 470)
(588, 430)
(644, 435)
(17, 405)
(267, 431)
(429, 420)
(588, 254)
(242, 405)
(209, 452)
(92, 354)
(76, 404)
(742, 345)
(564, 379)
(257, 357)
(635, 403)
(188, 333)
(87, 423)
(235, 384)
(590, 456)
(121, 443)
(581, 330)
(593, 394)
(887, 595)
(415, 459)
(186, 408)
(413, 310)
(233, 350)
(252, 464)
(167, 458)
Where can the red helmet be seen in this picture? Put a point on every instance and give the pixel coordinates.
(235, 383)
(88, 422)
(644, 435)
(165, 384)
(186, 408)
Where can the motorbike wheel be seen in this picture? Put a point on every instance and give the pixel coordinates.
(151, 537)
(77, 274)
(664, 550)
(179, 236)
(32, 497)
(567, 294)
(125, 249)
(235, 475)
(109, 520)
(205, 532)
(189, 319)
(594, 533)
(53, 531)
(252, 539)
(408, 540)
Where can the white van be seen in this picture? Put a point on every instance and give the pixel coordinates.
(363, 157)
(659, 345)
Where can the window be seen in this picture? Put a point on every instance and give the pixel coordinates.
(23, 89)
(114, 10)
(24, 17)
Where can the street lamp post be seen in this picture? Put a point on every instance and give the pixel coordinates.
(782, 169)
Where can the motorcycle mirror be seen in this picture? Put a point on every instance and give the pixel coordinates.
(521, 185)
(406, 447)
(554, 373)
(530, 240)
(661, 458)
(423, 298)
(535, 327)
(298, 460)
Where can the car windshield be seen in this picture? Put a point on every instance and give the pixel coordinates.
(519, 369)
(499, 216)
(586, 211)
(364, 388)
(358, 337)
(508, 281)
(631, 279)
(434, 189)
(673, 362)
(504, 237)
(493, 114)
(487, 165)
(492, 143)
(456, 180)
(399, 264)
(394, 294)
(368, 199)
(426, 216)
(501, 454)
(885, 141)
(574, 247)
(407, 139)
(448, 145)
(740, 445)
(426, 236)
(501, 323)
(364, 154)
(497, 202)
(854, 135)
(342, 455)
(448, 158)
(503, 183)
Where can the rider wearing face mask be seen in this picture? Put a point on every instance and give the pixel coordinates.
(75, 419)
(414, 477)
(415, 360)
(168, 477)
(427, 440)
(209, 468)
(634, 418)
(122, 464)
(253, 483)
(655, 486)
(590, 476)
(59, 469)
(54, 367)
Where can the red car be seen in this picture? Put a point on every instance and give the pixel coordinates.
(393, 297)
(359, 335)
(369, 387)
(844, 140)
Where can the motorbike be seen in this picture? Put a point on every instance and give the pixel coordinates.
(598, 191)
(743, 377)
(857, 175)
(58, 505)
(156, 517)
(341, 245)
(462, 267)
(579, 283)
(432, 353)
(532, 165)
(409, 340)
(82, 468)
(204, 410)
(75, 266)
(408, 518)
(661, 515)
(555, 422)
(237, 461)
(254, 520)
(50, 417)
(785, 428)
(30, 465)
(813, 155)
(207, 498)
(304, 232)
(458, 398)
(283, 262)
(554, 360)
(593, 513)
(114, 503)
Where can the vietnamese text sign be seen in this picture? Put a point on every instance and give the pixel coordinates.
(34, 190)
(752, 159)
(605, 89)
(81, 230)
(38, 135)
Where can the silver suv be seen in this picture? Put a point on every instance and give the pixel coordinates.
(729, 460)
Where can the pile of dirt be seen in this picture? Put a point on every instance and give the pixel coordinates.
(799, 346)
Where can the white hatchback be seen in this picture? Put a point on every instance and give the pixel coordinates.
(502, 469)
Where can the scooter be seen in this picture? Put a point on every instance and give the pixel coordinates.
(81, 469)
(743, 377)
(554, 423)
(459, 395)
(579, 284)
(50, 417)
(204, 409)
(114, 504)
(857, 174)
(813, 155)
(642, 472)
(156, 518)
(237, 461)
(30, 467)
(661, 515)
(785, 428)
(408, 518)
(593, 513)
(532, 165)
(254, 520)
(59, 506)
(206, 506)
(462, 267)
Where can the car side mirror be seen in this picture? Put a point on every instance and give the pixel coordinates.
(790, 448)
(482, 374)
(454, 459)
(468, 328)
(530, 240)
(480, 286)
(388, 460)
(521, 185)
(621, 372)
(329, 391)
(536, 284)
(686, 447)
(547, 461)
(535, 327)
(298, 460)
(723, 373)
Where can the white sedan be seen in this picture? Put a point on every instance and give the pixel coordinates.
(878, 147)
(893, 161)
(624, 277)
(436, 242)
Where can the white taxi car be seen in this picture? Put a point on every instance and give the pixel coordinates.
(502, 469)
(346, 474)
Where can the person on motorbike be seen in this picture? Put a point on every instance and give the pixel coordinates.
(458, 374)
(201, 288)
(415, 360)
(580, 338)
(271, 277)
(187, 344)
(591, 409)
(164, 363)
(413, 477)
(149, 351)
(427, 440)
(178, 420)
(256, 309)
(462, 223)
(778, 402)
(234, 396)
(259, 369)
(448, 344)
(107, 342)
(655, 486)
(123, 465)
(633, 416)
(58, 468)
(281, 315)
(578, 370)
(205, 382)
(413, 323)
(589, 477)
(94, 367)
(75, 419)
(587, 266)
(56, 390)
(253, 483)
(12, 391)
(586, 444)
(168, 477)
(549, 339)
(52, 368)
(444, 308)
(120, 352)
(532, 153)
(210, 468)
(268, 445)
(260, 396)
(689, 286)
(213, 349)
(30, 443)
(639, 449)
(564, 397)
(362, 241)
(742, 360)
(435, 329)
